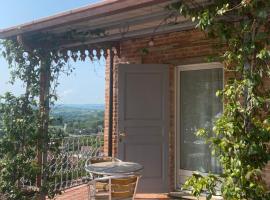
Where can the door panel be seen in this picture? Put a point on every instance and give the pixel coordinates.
(144, 118)
(147, 90)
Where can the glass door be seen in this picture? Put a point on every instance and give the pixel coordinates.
(198, 108)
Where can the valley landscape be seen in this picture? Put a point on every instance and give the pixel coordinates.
(78, 119)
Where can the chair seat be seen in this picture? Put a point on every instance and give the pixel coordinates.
(102, 186)
(102, 196)
(114, 188)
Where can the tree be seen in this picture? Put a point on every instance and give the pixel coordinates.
(25, 121)
(242, 134)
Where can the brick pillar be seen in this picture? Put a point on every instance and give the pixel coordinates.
(115, 106)
(172, 133)
(107, 99)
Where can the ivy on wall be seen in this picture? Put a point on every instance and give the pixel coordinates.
(37, 61)
(242, 134)
(25, 129)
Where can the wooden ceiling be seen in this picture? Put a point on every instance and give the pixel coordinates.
(114, 20)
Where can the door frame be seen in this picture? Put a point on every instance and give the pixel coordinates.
(178, 70)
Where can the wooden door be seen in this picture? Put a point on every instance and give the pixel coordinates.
(144, 122)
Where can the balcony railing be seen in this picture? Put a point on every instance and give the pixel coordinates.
(67, 165)
(66, 160)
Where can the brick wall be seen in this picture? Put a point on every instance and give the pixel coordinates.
(115, 106)
(174, 49)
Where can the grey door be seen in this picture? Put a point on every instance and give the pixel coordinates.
(144, 122)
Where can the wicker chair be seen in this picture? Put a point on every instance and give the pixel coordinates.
(100, 159)
(118, 188)
(101, 185)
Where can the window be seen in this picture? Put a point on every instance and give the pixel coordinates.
(198, 107)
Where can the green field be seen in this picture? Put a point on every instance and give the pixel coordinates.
(84, 119)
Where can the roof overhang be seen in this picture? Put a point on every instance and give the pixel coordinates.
(116, 19)
(97, 10)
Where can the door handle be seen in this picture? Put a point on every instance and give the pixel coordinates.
(122, 135)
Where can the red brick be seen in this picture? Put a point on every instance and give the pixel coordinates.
(177, 48)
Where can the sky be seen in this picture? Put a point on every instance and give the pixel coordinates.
(86, 84)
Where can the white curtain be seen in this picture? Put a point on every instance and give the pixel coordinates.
(199, 107)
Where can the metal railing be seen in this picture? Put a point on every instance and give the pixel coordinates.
(66, 160)
(66, 164)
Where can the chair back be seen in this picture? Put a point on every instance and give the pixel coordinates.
(124, 187)
(94, 160)
(100, 159)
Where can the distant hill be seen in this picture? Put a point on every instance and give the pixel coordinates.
(79, 118)
(78, 107)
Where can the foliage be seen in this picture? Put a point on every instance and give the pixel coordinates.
(23, 119)
(79, 119)
(17, 152)
(201, 183)
(242, 134)
(37, 60)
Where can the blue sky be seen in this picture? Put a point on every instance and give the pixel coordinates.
(86, 84)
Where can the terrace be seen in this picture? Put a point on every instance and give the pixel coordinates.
(92, 32)
(68, 170)
(159, 91)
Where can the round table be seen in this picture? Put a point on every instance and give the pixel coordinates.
(114, 168)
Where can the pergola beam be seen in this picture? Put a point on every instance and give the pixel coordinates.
(112, 24)
(187, 25)
(98, 10)
(44, 108)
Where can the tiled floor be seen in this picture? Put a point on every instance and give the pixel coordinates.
(151, 196)
(80, 193)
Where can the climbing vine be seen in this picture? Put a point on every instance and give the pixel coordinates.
(37, 61)
(24, 118)
(242, 134)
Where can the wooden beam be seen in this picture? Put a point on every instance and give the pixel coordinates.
(105, 8)
(110, 131)
(187, 25)
(44, 107)
(115, 23)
